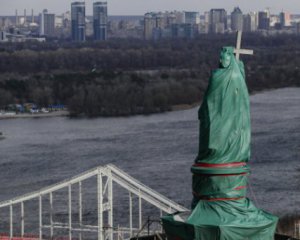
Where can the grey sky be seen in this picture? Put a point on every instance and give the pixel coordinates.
(138, 7)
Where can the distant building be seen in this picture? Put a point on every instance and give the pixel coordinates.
(3, 36)
(47, 24)
(263, 20)
(190, 30)
(185, 30)
(5, 23)
(25, 18)
(191, 17)
(155, 23)
(160, 25)
(217, 21)
(250, 22)
(160, 21)
(171, 19)
(179, 17)
(274, 20)
(12, 37)
(298, 28)
(247, 23)
(170, 25)
(285, 19)
(149, 25)
(237, 19)
(16, 18)
(78, 21)
(218, 28)
(32, 16)
(206, 22)
(100, 21)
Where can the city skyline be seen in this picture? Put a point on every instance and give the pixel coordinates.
(139, 7)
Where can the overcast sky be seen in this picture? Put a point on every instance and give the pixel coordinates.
(139, 7)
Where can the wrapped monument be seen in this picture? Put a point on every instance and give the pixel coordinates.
(220, 208)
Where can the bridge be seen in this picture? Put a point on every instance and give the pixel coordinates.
(106, 222)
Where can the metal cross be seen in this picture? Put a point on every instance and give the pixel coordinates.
(238, 49)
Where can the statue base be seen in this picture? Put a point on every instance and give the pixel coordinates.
(221, 220)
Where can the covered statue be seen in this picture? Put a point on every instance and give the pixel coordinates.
(220, 208)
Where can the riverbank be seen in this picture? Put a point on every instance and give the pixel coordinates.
(181, 107)
(36, 115)
(66, 113)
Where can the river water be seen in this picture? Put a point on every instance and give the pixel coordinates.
(158, 150)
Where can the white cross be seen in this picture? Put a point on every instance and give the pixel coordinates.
(238, 49)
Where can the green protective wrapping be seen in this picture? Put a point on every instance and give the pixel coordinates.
(222, 220)
(220, 209)
(219, 186)
(224, 115)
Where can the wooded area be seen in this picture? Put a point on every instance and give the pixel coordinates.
(125, 77)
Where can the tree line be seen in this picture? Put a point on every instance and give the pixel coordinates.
(125, 77)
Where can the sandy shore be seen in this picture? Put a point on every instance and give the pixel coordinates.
(36, 115)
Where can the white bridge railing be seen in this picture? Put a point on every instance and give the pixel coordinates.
(106, 228)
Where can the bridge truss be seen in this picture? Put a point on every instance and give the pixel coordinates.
(105, 227)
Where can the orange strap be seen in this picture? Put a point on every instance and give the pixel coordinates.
(221, 165)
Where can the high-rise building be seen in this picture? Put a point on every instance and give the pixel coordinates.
(100, 21)
(217, 20)
(285, 19)
(25, 17)
(250, 22)
(3, 37)
(17, 18)
(171, 19)
(206, 23)
(263, 20)
(47, 24)
(247, 23)
(179, 17)
(170, 25)
(160, 22)
(191, 17)
(149, 25)
(78, 21)
(154, 23)
(189, 30)
(298, 28)
(5, 23)
(32, 16)
(237, 19)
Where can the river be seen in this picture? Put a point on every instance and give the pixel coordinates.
(157, 149)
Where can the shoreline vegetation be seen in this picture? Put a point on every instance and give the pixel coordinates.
(124, 77)
(66, 113)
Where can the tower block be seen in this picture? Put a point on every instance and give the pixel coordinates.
(220, 208)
